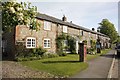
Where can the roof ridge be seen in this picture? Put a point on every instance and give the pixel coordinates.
(56, 20)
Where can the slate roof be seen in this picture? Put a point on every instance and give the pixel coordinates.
(58, 21)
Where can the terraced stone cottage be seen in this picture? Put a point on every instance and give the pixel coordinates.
(50, 29)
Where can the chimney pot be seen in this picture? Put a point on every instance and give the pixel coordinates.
(64, 18)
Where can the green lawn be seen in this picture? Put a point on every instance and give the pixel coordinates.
(89, 57)
(61, 66)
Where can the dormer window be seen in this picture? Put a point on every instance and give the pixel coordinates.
(81, 32)
(65, 29)
(47, 25)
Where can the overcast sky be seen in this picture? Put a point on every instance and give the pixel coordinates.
(87, 14)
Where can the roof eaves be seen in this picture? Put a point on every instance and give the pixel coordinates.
(55, 20)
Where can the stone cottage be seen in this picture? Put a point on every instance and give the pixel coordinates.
(46, 37)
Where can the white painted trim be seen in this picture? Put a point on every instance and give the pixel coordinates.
(65, 29)
(47, 25)
(31, 42)
(77, 47)
(47, 43)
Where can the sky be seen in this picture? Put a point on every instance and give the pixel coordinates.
(84, 13)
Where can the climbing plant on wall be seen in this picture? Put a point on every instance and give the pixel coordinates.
(60, 43)
(93, 44)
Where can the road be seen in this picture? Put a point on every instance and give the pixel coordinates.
(98, 68)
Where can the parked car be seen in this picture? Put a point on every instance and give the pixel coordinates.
(118, 50)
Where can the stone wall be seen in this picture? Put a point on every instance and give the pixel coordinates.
(22, 32)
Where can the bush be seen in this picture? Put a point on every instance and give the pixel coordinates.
(19, 59)
(91, 51)
(62, 53)
(49, 55)
(73, 52)
(23, 55)
(39, 51)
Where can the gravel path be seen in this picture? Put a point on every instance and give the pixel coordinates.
(11, 69)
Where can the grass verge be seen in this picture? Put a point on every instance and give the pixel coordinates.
(60, 66)
(90, 57)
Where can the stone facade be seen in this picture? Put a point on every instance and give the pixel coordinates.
(20, 33)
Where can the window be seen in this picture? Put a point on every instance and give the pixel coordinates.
(81, 32)
(46, 43)
(47, 25)
(65, 29)
(31, 42)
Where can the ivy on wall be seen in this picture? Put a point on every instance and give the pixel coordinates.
(85, 42)
(60, 43)
(93, 43)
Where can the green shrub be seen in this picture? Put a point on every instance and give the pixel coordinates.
(19, 59)
(91, 51)
(39, 51)
(62, 53)
(73, 52)
(85, 42)
(49, 55)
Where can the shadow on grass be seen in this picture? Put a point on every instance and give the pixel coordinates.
(49, 62)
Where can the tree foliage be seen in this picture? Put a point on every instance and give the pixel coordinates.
(108, 28)
(14, 13)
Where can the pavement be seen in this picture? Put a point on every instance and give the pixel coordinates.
(98, 67)
(114, 70)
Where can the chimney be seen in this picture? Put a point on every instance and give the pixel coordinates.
(64, 18)
(93, 29)
(98, 30)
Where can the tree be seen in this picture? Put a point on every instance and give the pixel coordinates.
(117, 41)
(108, 29)
(14, 13)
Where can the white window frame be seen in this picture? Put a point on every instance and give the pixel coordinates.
(65, 29)
(47, 25)
(48, 43)
(81, 32)
(32, 42)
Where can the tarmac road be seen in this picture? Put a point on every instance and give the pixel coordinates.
(98, 68)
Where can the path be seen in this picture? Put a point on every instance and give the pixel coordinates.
(98, 68)
(115, 69)
(11, 69)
